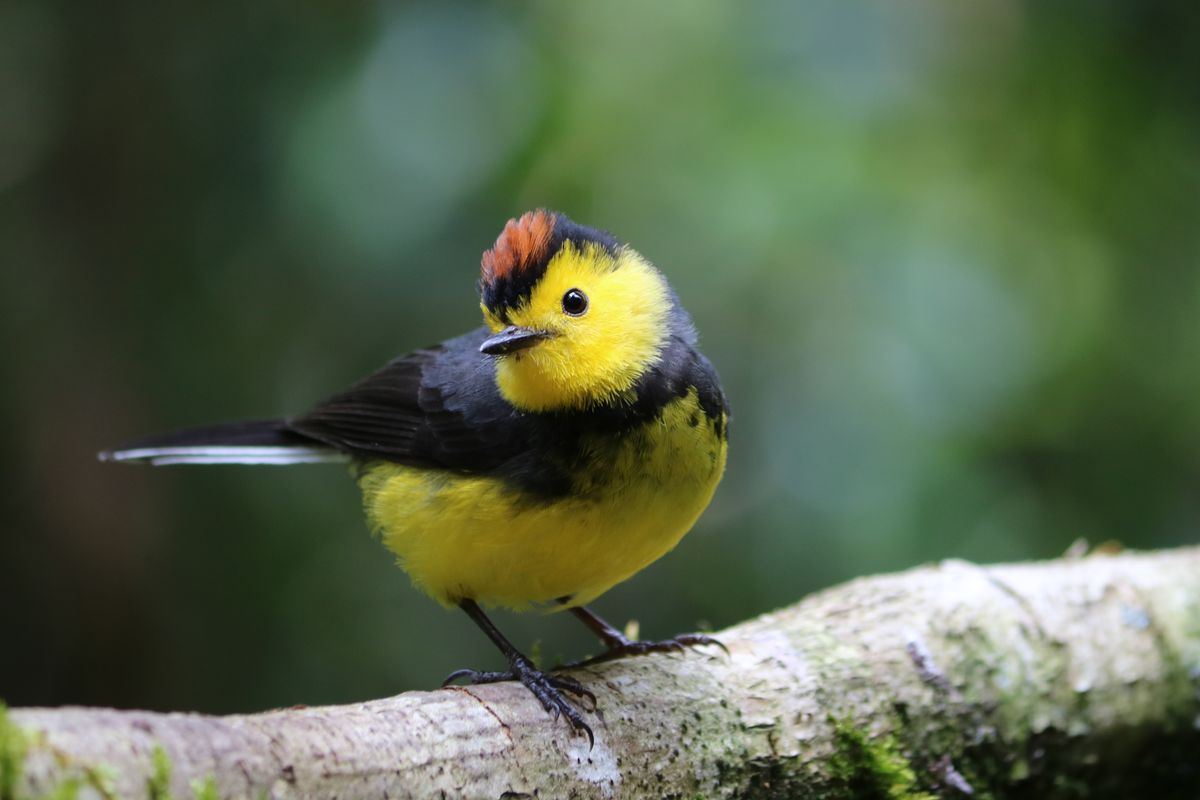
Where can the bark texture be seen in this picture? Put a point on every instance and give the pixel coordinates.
(1072, 678)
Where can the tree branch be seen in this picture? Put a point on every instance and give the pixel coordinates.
(1065, 678)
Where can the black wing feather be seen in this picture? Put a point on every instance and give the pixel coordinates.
(440, 408)
(437, 407)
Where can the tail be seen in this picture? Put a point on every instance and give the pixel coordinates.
(265, 442)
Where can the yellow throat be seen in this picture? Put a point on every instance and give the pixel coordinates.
(596, 358)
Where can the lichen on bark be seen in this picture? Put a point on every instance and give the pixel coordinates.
(1073, 678)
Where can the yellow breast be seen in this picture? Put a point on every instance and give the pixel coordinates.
(632, 500)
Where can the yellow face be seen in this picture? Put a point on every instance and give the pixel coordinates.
(594, 354)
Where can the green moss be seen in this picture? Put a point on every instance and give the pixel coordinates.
(205, 789)
(158, 785)
(101, 779)
(67, 790)
(13, 746)
(873, 768)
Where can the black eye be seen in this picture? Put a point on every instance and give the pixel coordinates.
(575, 302)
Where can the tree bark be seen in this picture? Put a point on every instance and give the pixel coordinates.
(1071, 678)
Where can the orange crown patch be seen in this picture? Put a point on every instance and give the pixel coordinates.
(522, 244)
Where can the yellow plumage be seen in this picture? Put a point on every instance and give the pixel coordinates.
(473, 537)
(630, 501)
(596, 358)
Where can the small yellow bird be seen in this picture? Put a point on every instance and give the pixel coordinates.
(539, 460)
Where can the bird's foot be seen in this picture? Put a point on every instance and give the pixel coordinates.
(623, 647)
(548, 689)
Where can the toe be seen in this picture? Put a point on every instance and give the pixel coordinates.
(579, 726)
(475, 677)
(458, 673)
(573, 686)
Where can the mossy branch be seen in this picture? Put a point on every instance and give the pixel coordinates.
(1072, 678)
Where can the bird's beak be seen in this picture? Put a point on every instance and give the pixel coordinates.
(511, 339)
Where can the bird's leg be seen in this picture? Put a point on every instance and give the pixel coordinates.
(618, 644)
(546, 688)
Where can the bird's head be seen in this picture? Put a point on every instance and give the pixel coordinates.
(576, 317)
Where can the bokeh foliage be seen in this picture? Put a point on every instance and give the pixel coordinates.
(944, 255)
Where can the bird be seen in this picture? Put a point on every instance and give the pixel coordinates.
(535, 462)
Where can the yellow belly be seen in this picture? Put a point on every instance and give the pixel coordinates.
(470, 537)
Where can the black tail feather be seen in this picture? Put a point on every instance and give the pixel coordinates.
(257, 433)
(257, 442)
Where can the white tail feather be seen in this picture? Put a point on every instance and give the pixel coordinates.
(225, 454)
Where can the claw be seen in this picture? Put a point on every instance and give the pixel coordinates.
(546, 688)
(542, 686)
(678, 644)
(696, 639)
(453, 676)
(571, 685)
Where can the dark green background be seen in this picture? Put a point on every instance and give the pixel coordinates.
(944, 255)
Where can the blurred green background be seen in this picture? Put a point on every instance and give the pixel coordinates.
(944, 255)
